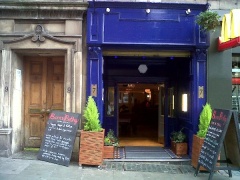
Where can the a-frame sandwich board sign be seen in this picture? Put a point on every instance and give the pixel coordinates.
(59, 137)
(222, 131)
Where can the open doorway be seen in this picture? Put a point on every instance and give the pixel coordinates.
(125, 86)
(139, 110)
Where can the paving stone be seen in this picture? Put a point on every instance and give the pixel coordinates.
(158, 167)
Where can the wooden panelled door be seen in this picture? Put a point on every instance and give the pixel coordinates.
(44, 91)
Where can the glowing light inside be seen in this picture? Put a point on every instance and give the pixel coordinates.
(184, 102)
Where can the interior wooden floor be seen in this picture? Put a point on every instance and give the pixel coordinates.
(144, 135)
(138, 141)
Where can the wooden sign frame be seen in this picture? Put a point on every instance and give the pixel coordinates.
(223, 131)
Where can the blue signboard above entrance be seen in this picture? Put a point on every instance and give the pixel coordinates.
(144, 23)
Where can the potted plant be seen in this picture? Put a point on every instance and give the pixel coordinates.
(110, 142)
(92, 136)
(208, 20)
(178, 144)
(198, 139)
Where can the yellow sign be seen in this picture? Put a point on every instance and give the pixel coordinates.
(230, 25)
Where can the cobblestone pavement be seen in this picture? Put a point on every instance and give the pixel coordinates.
(19, 169)
(160, 167)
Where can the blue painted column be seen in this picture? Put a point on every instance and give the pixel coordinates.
(199, 85)
(95, 77)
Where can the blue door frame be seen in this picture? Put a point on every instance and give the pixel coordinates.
(148, 26)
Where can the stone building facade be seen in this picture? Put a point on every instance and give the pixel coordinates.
(41, 67)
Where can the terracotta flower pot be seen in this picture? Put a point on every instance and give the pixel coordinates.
(108, 152)
(179, 148)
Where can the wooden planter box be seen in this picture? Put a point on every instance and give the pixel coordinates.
(108, 152)
(196, 149)
(179, 148)
(91, 148)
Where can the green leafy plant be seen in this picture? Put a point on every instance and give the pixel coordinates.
(91, 116)
(110, 139)
(204, 120)
(208, 20)
(178, 136)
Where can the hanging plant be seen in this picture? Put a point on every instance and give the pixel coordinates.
(208, 20)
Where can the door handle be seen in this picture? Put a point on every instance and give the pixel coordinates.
(48, 110)
(43, 110)
(41, 116)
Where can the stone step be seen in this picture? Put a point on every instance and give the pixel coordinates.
(173, 167)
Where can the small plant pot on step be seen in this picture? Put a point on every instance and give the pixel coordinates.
(108, 152)
(179, 148)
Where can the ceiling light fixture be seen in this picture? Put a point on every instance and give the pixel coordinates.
(142, 68)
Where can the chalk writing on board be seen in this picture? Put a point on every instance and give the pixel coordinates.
(214, 138)
(223, 129)
(59, 137)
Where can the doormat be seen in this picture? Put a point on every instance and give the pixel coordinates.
(119, 153)
(143, 152)
(172, 154)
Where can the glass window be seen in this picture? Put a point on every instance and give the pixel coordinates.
(236, 83)
(110, 101)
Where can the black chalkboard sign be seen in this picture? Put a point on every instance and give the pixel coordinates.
(59, 137)
(214, 138)
(218, 130)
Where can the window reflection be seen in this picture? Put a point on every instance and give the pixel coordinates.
(110, 101)
(171, 102)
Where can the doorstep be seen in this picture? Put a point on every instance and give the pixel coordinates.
(172, 164)
(147, 154)
(173, 167)
(184, 160)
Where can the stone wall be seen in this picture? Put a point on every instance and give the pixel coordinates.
(17, 103)
(59, 33)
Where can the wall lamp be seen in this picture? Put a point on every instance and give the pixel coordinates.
(188, 11)
(148, 11)
(108, 10)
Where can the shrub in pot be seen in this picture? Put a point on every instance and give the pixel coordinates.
(198, 139)
(92, 136)
(178, 144)
(110, 142)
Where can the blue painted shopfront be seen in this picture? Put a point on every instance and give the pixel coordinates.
(162, 37)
